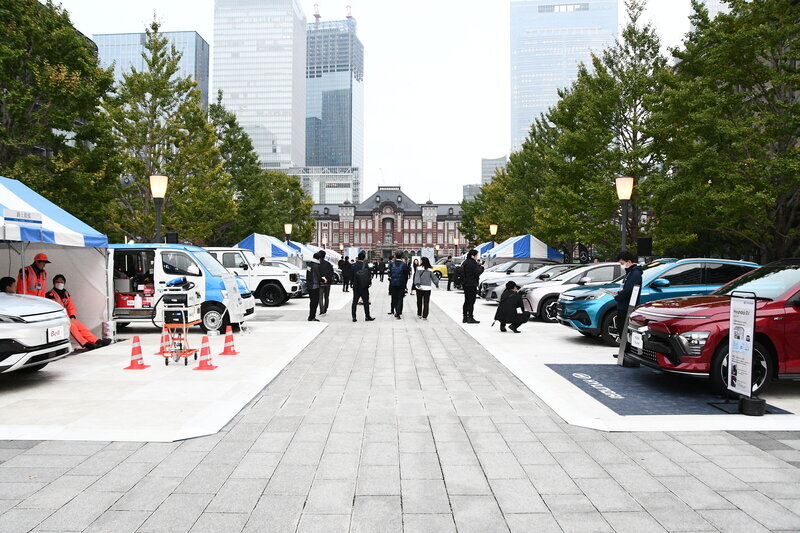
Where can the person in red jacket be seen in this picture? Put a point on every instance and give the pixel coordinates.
(79, 332)
(33, 279)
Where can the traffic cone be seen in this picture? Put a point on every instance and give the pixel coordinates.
(136, 356)
(229, 349)
(164, 349)
(205, 357)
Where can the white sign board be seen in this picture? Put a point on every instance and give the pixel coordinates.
(22, 217)
(430, 253)
(740, 347)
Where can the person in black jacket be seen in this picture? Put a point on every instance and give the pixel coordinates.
(398, 280)
(633, 277)
(326, 280)
(347, 273)
(314, 280)
(361, 287)
(471, 273)
(507, 313)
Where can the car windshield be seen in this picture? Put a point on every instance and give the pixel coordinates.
(213, 266)
(547, 269)
(770, 281)
(501, 267)
(564, 276)
(251, 258)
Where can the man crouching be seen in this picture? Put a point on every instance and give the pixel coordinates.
(511, 311)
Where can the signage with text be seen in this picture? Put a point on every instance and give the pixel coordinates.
(740, 347)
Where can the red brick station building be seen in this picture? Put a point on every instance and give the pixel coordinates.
(387, 221)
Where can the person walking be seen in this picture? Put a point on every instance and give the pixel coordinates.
(32, 279)
(381, 268)
(313, 279)
(347, 273)
(79, 332)
(471, 272)
(326, 279)
(424, 280)
(511, 310)
(414, 267)
(398, 280)
(449, 266)
(362, 280)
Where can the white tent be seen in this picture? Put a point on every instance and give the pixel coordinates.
(32, 224)
(267, 246)
(524, 246)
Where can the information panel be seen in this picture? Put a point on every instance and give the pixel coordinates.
(740, 347)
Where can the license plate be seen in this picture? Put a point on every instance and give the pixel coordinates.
(636, 340)
(56, 334)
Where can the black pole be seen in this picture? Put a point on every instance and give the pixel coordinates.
(625, 224)
(159, 202)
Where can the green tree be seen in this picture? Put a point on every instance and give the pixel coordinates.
(265, 199)
(161, 128)
(53, 136)
(730, 129)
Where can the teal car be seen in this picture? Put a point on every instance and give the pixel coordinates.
(592, 311)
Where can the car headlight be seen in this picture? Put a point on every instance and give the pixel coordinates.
(694, 341)
(587, 297)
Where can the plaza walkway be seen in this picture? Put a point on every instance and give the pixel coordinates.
(403, 425)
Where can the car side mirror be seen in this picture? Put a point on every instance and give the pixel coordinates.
(510, 271)
(194, 270)
(244, 266)
(544, 276)
(660, 283)
(584, 280)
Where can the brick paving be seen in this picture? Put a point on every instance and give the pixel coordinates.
(403, 425)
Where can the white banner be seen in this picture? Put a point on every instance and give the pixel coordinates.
(740, 347)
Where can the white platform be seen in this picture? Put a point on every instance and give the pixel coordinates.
(90, 397)
(526, 355)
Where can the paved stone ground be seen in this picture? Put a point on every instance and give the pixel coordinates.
(403, 425)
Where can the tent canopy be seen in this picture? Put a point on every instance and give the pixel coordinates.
(485, 247)
(330, 255)
(306, 252)
(524, 246)
(30, 217)
(267, 246)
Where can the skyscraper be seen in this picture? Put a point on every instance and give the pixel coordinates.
(334, 94)
(260, 65)
(488, 167)
(715, 7)
(548, 41)
(124, 51)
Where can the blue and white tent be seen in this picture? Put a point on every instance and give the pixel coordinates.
(30, 217)
(305, 251)
(485, 247)
(524, 246)
(267, 246)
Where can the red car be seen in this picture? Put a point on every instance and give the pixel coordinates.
(690, 335)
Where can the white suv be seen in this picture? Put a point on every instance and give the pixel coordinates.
(34, 331)
(272, 285)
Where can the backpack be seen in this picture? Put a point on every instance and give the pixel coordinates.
(396, 270)
(362, 278)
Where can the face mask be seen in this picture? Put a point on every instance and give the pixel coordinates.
(60, 286)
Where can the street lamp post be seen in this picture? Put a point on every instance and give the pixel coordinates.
(493, 232)
(455, 245)
(436, 255)
(324, 242)
(287, 230)
(624, 193)
(158, 189)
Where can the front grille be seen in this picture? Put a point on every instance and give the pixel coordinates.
(9, 347)
(45, 356)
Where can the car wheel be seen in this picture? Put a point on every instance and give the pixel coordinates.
(32, 369)
(548, 310)
(438, 275)
(609, 330)
(272, 295)
(214, 318)
(763, 369)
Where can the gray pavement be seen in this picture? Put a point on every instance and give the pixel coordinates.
(403, 425)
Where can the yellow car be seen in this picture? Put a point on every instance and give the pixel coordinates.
(440, 269)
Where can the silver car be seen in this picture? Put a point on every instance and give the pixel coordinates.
(34, 331)
(492, 290)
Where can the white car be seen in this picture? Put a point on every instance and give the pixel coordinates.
(272, 285)
(541, 299)
(492, 289)
(515, 267)
(34, 331)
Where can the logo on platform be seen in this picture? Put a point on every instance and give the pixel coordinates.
(586, 378)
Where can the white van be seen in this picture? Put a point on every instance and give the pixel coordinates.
(140, 272)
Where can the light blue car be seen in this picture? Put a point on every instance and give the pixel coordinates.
(592, 311)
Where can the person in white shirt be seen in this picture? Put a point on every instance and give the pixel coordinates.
(424, 280)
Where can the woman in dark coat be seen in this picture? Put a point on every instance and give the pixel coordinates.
(511, 310)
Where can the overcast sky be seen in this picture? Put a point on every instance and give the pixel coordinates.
(436, 77)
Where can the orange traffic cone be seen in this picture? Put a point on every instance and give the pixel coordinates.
(205, 357)
(136, 356)
(229, 349)
(164, 348)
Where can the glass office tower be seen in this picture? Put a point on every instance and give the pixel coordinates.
(489, 166)
(124, 51)
(548, 41)
(334, 94)
(260, 65)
